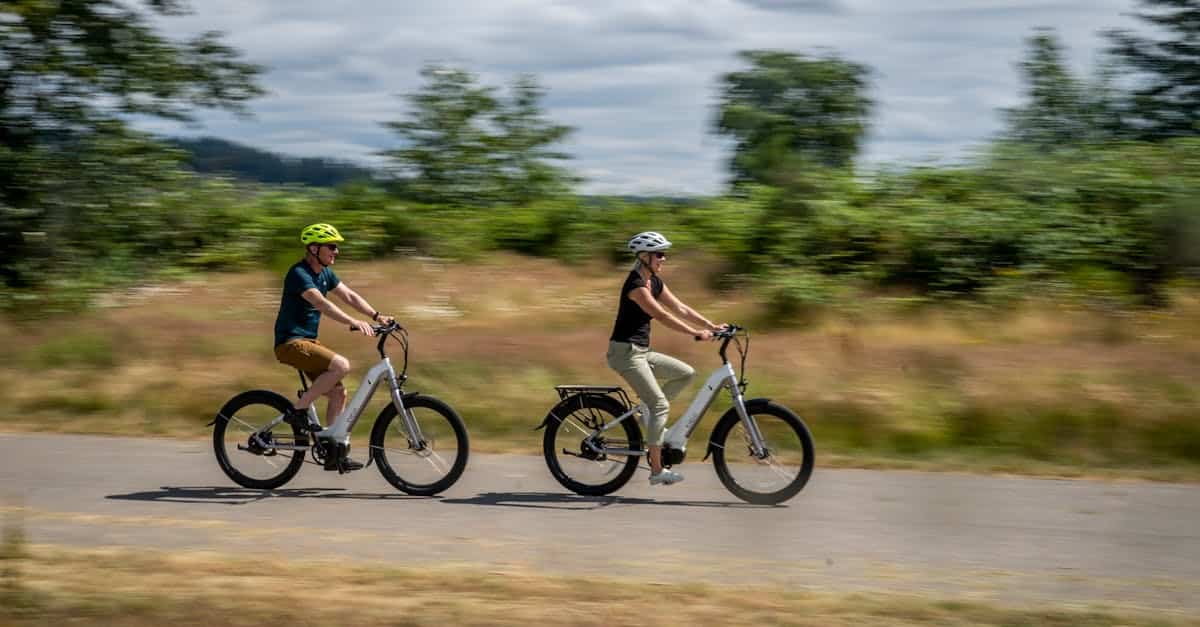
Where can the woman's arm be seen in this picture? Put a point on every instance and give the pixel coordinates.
(646, 301)
(685, 312)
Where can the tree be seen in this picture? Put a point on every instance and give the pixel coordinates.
(788, 107)
(1060, 109)
(465, 145)
(445, 152)
(1165, 101)
(71, 74)
(523, 156)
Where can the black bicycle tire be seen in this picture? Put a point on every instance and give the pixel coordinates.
(463, 447)
(599, 402)
(721, 465)
(231, 408)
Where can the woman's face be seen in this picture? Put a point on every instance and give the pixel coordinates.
(654, 260)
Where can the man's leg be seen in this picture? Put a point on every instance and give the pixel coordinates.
(338, 368)
(337, 402)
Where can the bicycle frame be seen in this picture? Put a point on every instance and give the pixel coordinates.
(344, 423)
(677, 436)
(339, 430)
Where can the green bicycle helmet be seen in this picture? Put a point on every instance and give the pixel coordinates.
(320, 233)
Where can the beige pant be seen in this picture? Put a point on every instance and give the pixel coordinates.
(639, 366)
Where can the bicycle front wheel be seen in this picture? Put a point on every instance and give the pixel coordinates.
(253, 456)
(573, 463)
(426, 465)
(784, 470)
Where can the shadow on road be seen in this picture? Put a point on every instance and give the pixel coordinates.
(243, 496)
(552, 500)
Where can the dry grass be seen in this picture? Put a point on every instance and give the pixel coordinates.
(1063, 387)
(113, 587)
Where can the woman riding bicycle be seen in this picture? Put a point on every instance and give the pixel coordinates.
(644, 296)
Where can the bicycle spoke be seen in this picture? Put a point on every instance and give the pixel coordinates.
(440, 465)
(246, 441)
(777, 475)
(424, 463)
(576, 426)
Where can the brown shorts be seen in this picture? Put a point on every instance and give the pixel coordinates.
(309, 356)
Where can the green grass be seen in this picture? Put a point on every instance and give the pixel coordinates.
(884, 383)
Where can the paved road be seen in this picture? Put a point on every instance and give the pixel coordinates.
(997, 538)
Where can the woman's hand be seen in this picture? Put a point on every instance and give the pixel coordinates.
(702, 335)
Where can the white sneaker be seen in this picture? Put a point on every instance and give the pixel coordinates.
(666, 477)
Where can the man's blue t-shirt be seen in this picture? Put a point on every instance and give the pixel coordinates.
(297, 317)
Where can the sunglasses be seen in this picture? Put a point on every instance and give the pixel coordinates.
(659, 255)
(333, 247)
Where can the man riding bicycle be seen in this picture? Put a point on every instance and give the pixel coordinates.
(304, 300)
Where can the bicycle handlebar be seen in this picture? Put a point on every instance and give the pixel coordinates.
(381, 328)
(726, 333)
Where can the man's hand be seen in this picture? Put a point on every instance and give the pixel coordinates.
(385, 319)
(362, 327)
(702, 335)
(719, 327)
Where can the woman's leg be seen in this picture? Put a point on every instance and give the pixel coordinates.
(631, 363)
(674, 374)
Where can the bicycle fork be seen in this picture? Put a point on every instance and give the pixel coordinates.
(757, 444)
(410, 421)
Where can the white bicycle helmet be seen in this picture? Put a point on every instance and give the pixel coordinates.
(648, 242)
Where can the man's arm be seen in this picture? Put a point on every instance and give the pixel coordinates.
(352, 298)
(645, 300)
(326, 307)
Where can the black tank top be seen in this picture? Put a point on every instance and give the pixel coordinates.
(633, 324)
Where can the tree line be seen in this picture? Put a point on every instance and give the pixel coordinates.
(1091, 183)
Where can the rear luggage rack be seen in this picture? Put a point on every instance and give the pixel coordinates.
(565, 391)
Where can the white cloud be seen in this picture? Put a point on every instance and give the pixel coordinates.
(638, 80)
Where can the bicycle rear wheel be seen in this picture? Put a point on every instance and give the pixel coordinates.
(575, 465)
(420, 467)
(251, 456)
(779, 475)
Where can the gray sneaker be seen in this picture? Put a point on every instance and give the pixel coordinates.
(666, 477)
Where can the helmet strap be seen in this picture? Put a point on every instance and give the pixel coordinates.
(308, 252)
(646, 264)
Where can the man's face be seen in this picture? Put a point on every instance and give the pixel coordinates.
(327, 253)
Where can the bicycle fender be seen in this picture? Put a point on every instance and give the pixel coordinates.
(221, 413)
(551, 415)
(730, 416)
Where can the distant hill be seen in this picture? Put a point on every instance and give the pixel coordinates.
(210, 155)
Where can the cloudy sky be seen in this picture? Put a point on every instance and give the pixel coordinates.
(637, 79)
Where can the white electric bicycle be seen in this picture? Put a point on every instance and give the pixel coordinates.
(418, 442)
(761, 450)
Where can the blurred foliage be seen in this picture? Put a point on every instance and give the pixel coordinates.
(76, 185)
(462, 144)
(1164, 98)
(1061, 206)
(1061, 110)
(1108, 223)
(787, 109)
